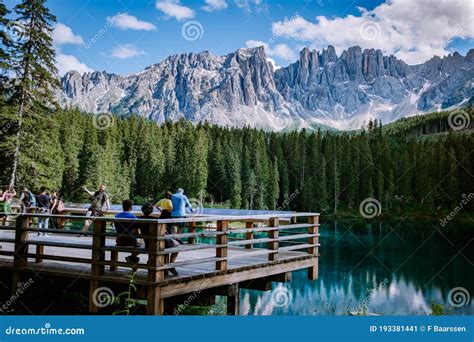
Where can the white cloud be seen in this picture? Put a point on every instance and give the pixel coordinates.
(252, 5)
(126, 21)
(63, 34)
(273, 63)
(412, 31)
(126, 51)
(66, 63)
(282, 51)
(214, 5)
(174, 9)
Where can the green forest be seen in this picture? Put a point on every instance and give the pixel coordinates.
(417, 161)
(241, 168)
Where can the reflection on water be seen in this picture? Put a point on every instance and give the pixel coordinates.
(398, 268)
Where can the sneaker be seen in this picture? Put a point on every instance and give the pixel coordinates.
(173, 272)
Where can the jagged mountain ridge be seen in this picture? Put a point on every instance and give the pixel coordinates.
(242, 88)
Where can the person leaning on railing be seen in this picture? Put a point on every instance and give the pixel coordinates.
(57, 208)
(180, 202)
(144, 228)
(127, 230)
(43, 203)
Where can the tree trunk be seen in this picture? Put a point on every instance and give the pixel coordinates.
(16, 154)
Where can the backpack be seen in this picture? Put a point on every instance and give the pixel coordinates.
(60, 207)
(30, 201)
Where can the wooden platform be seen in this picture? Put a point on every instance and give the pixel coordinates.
(222, 262)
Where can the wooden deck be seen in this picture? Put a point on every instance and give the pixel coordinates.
(230, 256)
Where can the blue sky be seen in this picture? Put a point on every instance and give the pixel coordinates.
(125, 36)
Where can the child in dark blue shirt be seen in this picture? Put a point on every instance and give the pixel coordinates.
(126, 230)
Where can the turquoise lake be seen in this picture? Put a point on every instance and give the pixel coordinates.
(394, 268)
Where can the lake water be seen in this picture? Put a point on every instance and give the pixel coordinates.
(396, 268)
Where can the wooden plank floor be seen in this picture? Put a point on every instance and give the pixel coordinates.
(241, 264)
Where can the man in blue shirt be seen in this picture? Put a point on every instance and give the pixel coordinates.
(126, 230)
(180, 203)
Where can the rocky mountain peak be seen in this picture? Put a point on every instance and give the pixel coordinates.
(242, 88)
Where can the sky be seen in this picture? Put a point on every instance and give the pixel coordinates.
(126, 36)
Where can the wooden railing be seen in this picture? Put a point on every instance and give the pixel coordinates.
(257, 235)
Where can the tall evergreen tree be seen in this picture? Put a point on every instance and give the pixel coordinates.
(6, 44)
(33, 64)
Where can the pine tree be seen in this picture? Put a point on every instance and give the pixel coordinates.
(33, 64)
(6, 44)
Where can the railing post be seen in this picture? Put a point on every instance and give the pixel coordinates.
(221, 252)
(249, 235)
(98, 255)
(191, 229)
(273, 234)
(155, 304)
(20, 258)
(313, 229)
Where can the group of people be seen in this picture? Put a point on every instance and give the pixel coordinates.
(45, 202)
(170, 206)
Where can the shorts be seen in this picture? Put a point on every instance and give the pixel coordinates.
(94, 213)
(126, 241)
(5, 207)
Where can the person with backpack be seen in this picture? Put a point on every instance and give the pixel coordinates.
(57, 208)
(28, 200)
(43, 204)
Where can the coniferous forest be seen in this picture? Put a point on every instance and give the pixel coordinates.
(418, 161)
(241, 168)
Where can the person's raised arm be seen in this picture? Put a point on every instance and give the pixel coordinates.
(90, 193)
(13, 192)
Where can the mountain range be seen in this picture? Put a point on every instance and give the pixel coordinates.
(243, 88)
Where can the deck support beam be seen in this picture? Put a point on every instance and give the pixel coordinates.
(155, 303)
(249, 235)
(20, 259)
(98, 255)
(273, 234)
(313, 270)
(221, 252)
(233, 301)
